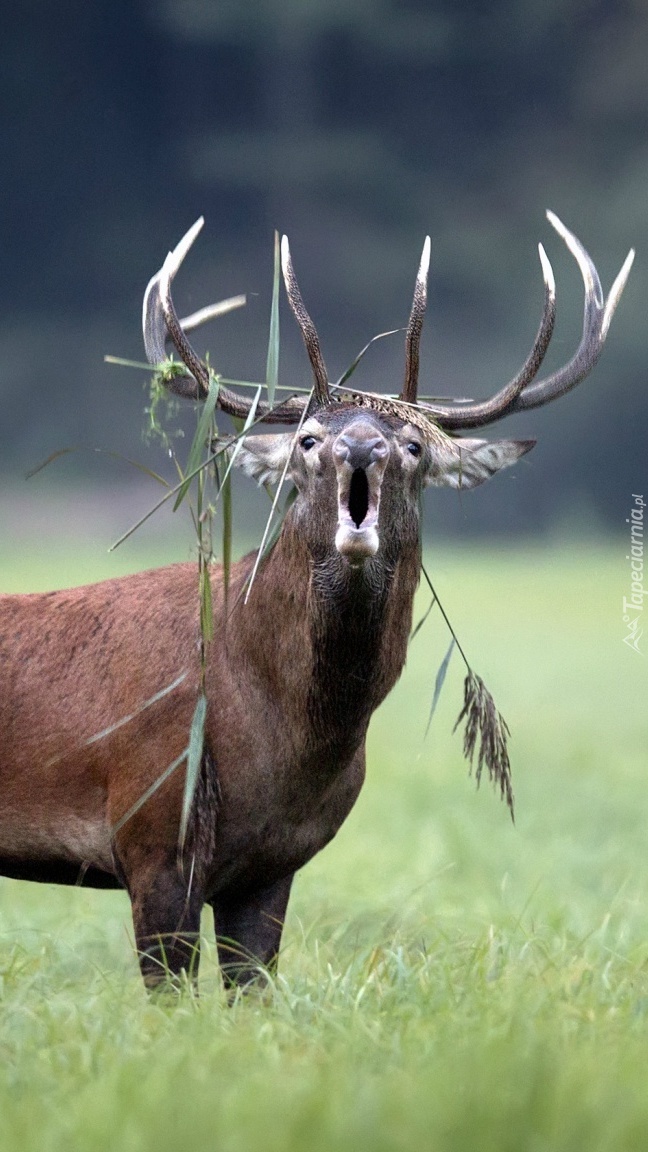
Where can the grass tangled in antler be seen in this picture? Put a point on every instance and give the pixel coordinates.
(484, 721)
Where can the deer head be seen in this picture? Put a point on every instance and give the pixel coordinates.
(359, 474)
(359, 461)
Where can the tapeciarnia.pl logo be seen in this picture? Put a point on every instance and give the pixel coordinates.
(634, 605)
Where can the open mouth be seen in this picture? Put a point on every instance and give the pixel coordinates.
(358, 500)
(358, 496)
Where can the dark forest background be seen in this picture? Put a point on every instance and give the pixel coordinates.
(356, 128)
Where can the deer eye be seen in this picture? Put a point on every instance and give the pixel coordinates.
(414, 447)
(307, 442)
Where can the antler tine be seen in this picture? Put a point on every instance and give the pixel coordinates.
(308, 329)
(597, 315)
(415, 324)
(160, 323)
(189, 357)
(614, 295)
(153, 325)
(477, 414)
(211, 312)
(155, 338)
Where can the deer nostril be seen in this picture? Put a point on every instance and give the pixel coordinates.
(360, 453)
(379, 449)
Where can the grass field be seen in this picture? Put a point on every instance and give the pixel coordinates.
(448, 981)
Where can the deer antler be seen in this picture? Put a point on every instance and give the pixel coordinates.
(518, 395)
(308, 329)
(161, 323)
(478, 413)
(413, 334)
(597, 317)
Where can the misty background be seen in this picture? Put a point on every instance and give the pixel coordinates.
(356, 128)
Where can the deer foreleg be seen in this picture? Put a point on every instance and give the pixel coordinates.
(166, 916)
(248, 931)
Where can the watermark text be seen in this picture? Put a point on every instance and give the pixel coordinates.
(633, 605)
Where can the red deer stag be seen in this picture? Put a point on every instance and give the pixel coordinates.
(98, 685)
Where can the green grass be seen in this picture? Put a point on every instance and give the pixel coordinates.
(448, 981)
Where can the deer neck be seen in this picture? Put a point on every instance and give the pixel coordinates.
(328, 640)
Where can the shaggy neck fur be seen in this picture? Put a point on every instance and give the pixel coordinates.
(329, 641)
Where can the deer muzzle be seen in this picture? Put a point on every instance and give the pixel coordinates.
(360, 454)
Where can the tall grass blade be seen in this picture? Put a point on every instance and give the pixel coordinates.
(280, 485)
(445, 616)
(424, 617)
(226, 494)
(242, 427)
(201, 438)
(354, 363)
(99, 452)
(194, 760)
(439, 682)
(124, 719)
(273, 536)
(189, 476)
(272, 362)
(225, 489)
(206, 606)
(255, 384)
(161, 779)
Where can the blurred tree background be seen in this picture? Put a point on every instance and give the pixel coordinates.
(356, 128)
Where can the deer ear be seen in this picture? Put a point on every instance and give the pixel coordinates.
(264, 457)
(474, 462)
